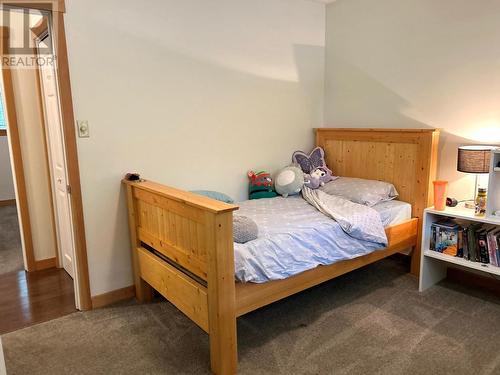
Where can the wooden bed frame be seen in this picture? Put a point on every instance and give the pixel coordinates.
(182, 243)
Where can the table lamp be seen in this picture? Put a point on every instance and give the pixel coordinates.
(474, 159)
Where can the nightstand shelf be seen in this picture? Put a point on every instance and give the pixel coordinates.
(434, 264)
(463, 213)
(463, 262)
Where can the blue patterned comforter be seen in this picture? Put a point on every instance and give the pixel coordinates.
(293, 237)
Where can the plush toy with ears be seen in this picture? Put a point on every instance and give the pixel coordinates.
(317, 178)
(289, 181)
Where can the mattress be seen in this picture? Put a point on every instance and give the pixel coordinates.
(393, 212)
(295, 237)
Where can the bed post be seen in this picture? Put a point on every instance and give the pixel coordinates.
(143, 291)
(221, 293)
(426, 173)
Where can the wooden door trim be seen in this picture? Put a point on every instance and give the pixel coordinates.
(57, 8)
(52, 5)
(68, 121)
(17, 158)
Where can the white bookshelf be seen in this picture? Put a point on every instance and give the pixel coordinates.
(433, 264)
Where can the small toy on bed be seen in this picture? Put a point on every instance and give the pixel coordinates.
(314, 165)
(244, 229)
(289, 181)
(317, 178)
(132, 177)
(261, 185)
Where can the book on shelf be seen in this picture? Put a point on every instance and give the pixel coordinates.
(493, 239)
(462, 249)
(444, 237)
(475, 242)
(482, 247)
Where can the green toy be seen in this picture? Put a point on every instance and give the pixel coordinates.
(261, 185)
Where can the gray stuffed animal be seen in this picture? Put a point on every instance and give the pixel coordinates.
(244, 229)
(289, 181)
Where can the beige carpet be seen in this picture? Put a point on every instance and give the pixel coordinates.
(372, 321)
(11, 256)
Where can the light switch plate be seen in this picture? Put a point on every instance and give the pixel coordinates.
(83, 128)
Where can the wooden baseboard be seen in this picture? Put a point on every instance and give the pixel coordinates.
(45, 264)
(487, 283)
(114, 296)
(8, 202)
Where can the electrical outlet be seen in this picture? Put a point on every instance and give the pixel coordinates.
(83, 128)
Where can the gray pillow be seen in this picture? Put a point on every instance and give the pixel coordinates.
(358, 190)
(244, 229)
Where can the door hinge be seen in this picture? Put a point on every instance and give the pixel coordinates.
(68, 189)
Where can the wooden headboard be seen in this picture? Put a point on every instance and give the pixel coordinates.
(405, 157)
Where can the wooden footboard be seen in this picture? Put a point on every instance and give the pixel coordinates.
(182, 246)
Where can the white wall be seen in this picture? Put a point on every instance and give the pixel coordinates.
(190, 93)
(417, 63)
(6, 180)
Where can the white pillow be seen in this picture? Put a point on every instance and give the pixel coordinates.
(358, 190)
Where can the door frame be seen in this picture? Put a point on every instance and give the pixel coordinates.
(16, 156)
(57, 9)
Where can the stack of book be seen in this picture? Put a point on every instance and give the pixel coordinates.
(475, 242)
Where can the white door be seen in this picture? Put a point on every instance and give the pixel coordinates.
(57, 166)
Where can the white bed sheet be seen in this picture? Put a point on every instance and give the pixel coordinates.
(393, 212)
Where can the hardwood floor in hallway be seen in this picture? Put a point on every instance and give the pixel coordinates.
(30, 298)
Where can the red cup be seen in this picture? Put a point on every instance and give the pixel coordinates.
(440, 190)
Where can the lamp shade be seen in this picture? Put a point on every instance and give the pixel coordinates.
(474, 159)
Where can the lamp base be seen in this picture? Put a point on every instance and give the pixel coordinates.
(470, 204)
